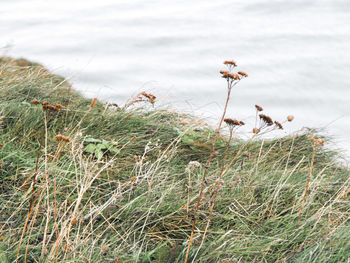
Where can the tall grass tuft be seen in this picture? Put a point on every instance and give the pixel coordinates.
(81, 181)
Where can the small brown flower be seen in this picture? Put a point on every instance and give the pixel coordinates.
(243, 74)
(93, 102)
(35, 101)
(259, 108)
(224, 72)
(231, 122)
(50, 107)
(231, 62)
(61, 137)
(73, 222)
(58, 137)
(279, 125)
(58, 107)
(256, 130)
(266, 119)
(290, 118)
(235, 76)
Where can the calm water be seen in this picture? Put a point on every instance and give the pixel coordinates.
(297, 53)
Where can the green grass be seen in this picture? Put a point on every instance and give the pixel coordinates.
(130, 203)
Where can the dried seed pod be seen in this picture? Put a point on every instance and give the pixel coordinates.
(241, 123)
(279, 125)
(259, 108)
(35, 101)
(231, 62)
(58, 137)
(58, 107)
(224, 72)
(93, 102)
(243, 74)
(290, 118)
(266, 119)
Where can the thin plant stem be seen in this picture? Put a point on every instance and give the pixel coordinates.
(229, 87)
(307, 186)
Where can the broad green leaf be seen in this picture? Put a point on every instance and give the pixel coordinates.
(98, 154)
(90, 148)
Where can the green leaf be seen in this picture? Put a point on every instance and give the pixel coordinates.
(98, 154)
(187, 139)
(92, 140)
(90, 148)
(101, 146)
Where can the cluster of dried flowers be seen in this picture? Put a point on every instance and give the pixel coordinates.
(61, 137)
(233, 123)
(266, 121)
(230, 76)
(47, 106)
(317, 141)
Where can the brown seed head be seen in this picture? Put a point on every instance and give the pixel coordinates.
(266, 119)
(35, 101)
(231, 62)
(290, 118)
(50, 107)
(58, 137)
(224, 72)
(235, 76)
(243, 74)
(279, 125)
(256, 130)
(58, 107)
(93, 102)
(259, 108)
(232, 122)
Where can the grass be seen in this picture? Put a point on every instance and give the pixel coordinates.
(124, 188)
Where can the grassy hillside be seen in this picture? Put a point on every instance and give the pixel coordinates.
(96, 183)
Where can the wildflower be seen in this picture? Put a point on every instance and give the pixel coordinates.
(231, 122)
(256, 130)
(266, 119)
(58, 107)
(233, 63)
(224, 72)
(36, 102)
(290, 118)
(279, 125)
(243, 74)
(259, 108)
(61, 137)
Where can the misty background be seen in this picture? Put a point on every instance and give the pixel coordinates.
(297, 54)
